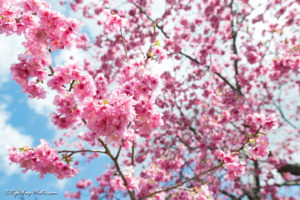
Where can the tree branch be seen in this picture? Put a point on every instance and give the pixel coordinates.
(51, 71)
(291, 168)
(229, 195)
(71, 85)
(235, 51)
(256, 180)
(152, 20)
(119, 150)
(227, 82)
(108, 152)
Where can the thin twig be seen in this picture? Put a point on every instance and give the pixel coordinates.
(132, 153)
(283, 116)
(51, 71)
(71, 85)
(229, 195)
(80, 151)
(182, 183)
(124, 45)
(226, 81)
(242, 147)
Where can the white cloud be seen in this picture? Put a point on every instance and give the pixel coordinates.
(65, 55)
(10, 136)
(10, 48)
(60, 184)
(43, 106)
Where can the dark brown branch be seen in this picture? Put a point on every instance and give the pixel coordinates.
(185, 144)
(108, 152)
(256, 180)
(229, 195)
(242, 147)
(51, 71)
(192, 59)
(235, 51)
(196, 177)
(226, 81)
(71, 85)
(218, 74)
(119, 150)
(288, 184)
(291, 168)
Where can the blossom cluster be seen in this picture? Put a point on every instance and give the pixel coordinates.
(137, 81)
(234, 167)
(108, 178)
(267, 122)
(45, 30)
(109, 117)
(42, 159)
(78, 80)
(68, 112)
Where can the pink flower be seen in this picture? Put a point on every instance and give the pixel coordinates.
(252, 57)
(147, 119)
(159, 52)
(270, 122)
(82, 184)
(261, 147)
(76, 195)
(203, 193)
(113, 22)
(258, 18)
(234, 170)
